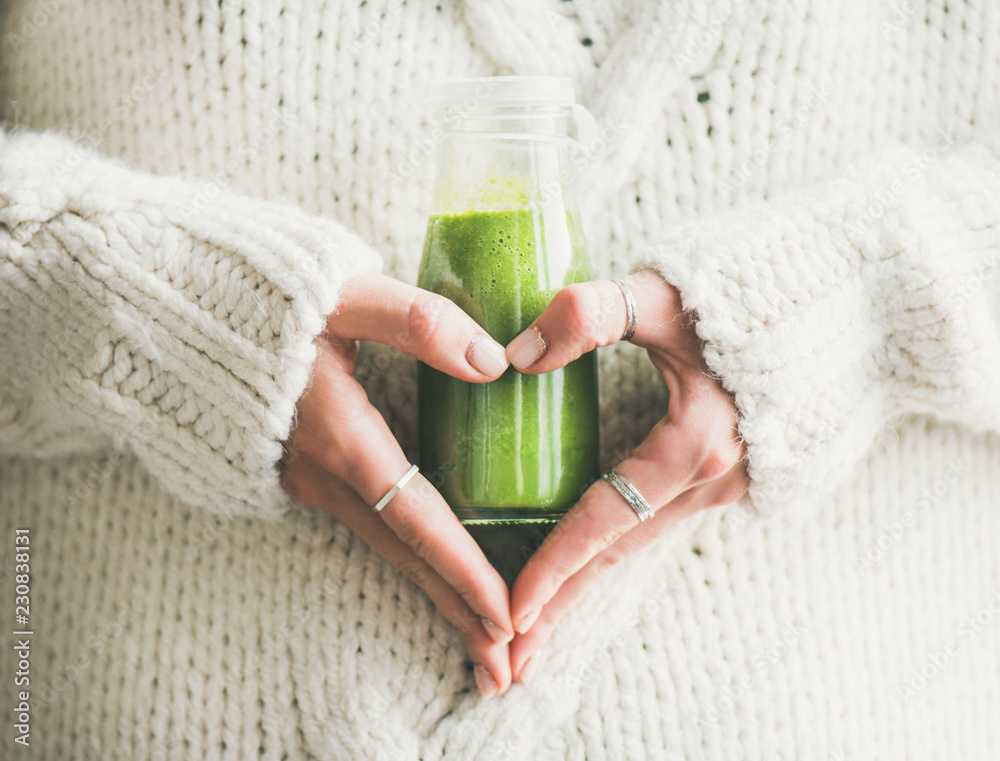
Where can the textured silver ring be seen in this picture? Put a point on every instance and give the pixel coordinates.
(630, 310)
(396, 488)
(635, 500)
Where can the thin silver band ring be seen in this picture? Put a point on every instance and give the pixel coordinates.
(630, 310)
(396, 488)
(635, 500)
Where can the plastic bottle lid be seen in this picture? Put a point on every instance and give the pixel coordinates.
(473, 95)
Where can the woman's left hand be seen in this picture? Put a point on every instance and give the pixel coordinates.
(691, 460)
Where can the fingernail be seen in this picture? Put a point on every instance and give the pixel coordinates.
(486, 355)
(527, 348)
(496, 631)
(529, 669)
(527, 620)
(485, 682)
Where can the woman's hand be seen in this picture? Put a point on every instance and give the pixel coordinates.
(343, 459)
(691, 460)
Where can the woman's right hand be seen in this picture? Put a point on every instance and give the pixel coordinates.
(342, 458)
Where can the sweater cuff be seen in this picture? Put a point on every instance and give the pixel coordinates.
(195, 314)
(783, 301)
(830, 315)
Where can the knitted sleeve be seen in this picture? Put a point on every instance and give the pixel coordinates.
(136, 309)
(831, 315)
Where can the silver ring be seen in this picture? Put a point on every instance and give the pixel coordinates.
(396, 489)
(630, 310)
(635, 500)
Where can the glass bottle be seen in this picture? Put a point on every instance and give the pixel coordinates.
(504, 235)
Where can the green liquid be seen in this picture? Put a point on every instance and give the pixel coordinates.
(510, 456)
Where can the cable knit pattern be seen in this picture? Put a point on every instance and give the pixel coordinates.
(185, 333)
(169, 177)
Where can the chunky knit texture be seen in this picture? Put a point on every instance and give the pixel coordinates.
(185, 332)
(821, 181)
(835, 313)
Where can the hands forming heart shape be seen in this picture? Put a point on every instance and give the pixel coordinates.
(342, 458)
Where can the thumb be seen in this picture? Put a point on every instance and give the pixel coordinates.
(585, 316)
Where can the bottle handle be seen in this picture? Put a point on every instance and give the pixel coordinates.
(584, 127)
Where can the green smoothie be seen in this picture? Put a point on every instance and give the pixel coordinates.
(513, 455)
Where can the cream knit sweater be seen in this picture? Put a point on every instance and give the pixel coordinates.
(821, 181)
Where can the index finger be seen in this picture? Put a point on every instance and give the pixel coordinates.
(596, 522)
(696, 443)
(347, 436)
(427, 325)
(318, 487)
